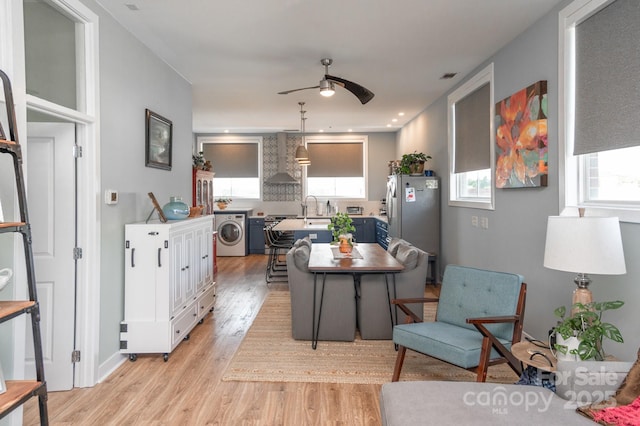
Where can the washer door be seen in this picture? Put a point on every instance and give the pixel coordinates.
(229, 233)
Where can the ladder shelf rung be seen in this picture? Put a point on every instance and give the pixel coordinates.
(12, 308)
(18, 392)
(7, 226)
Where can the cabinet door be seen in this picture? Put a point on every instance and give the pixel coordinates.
(365, 231)
(177, 272)
(145, 255)
(189, 265)
(202, 257)
(256, 236)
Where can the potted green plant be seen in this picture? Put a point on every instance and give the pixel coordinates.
(587, 327)
(341, 227)
(412, 164)
(198, 161)
(222, 202)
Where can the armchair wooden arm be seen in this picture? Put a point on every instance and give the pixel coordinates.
(489, 341)
(411, 317)
(493, 320)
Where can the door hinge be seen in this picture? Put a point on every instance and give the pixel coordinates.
(77, 151)
(75, 356)
(77, 253)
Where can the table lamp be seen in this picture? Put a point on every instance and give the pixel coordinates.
(584, 245)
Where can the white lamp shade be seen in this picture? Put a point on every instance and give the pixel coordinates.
(589, 245)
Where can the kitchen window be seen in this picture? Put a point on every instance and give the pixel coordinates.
(471, 142)
(598, 104)
(236, 162)
(338, 166)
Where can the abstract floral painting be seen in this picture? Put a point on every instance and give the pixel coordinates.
(521, 138)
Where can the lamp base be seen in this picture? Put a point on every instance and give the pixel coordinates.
(580, 295)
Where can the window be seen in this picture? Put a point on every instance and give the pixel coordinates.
(599, 148)
(236, 163)
(338, 165)
(471, 142)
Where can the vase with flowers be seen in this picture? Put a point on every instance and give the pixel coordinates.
(341, 227)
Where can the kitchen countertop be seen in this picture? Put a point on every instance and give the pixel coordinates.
(319, 224)
(231, 210)
(354, 216)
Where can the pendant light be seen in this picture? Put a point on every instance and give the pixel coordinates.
(302, 155)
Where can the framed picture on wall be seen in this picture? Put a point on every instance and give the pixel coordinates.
(158, 135)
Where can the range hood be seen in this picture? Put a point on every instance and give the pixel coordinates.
(282, 176)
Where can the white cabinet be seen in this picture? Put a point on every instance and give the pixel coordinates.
(169, 284)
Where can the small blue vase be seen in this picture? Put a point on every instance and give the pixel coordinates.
(175, 209)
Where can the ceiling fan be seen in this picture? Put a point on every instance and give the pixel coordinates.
(327, 85)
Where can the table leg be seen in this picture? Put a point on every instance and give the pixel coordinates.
(389, 298)
(315, 331)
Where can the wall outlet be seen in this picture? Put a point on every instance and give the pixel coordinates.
(313, 236)
(484, 222)
(474, 221)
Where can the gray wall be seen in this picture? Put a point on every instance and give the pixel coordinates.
(515, 239)
(132, 79)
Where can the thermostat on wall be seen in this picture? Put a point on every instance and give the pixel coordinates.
(111, 196)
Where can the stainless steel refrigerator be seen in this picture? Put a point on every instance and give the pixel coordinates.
(413, 210)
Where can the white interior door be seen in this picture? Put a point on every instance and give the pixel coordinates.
(51, 194)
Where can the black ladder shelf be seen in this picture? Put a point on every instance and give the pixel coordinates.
(20, 391)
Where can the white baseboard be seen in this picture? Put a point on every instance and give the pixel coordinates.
(110, 365)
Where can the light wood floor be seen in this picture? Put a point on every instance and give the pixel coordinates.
(187, 390)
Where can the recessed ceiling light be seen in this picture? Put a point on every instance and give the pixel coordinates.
(388, 125)
(321, 131)
(226, 131)
(401, 114)
(350, 130)
(448, 76)
(394, 119)
(131, 6)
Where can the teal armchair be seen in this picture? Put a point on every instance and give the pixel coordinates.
(480, 315)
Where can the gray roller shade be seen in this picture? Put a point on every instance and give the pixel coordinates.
(608, 79)
(232, 160)
(335, 160)
(472, 131)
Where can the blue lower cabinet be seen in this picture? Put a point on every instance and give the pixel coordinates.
(365, 230)
(317, 236)
(256, 236)
(382, 233)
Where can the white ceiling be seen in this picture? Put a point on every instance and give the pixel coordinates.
(238, 54)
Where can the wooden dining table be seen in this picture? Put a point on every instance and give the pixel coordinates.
(367, 258)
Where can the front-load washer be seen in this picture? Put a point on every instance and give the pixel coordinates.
(231, 234)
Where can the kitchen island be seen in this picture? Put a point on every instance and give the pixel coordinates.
(317, 228)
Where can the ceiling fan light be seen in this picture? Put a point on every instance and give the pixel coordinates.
(326, 88)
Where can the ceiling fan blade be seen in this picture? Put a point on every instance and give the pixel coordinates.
(286, 92)
(362, 93)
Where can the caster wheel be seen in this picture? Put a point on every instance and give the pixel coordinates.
(187, 337)
(201, 321)
(165, 357)
(133, 357)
